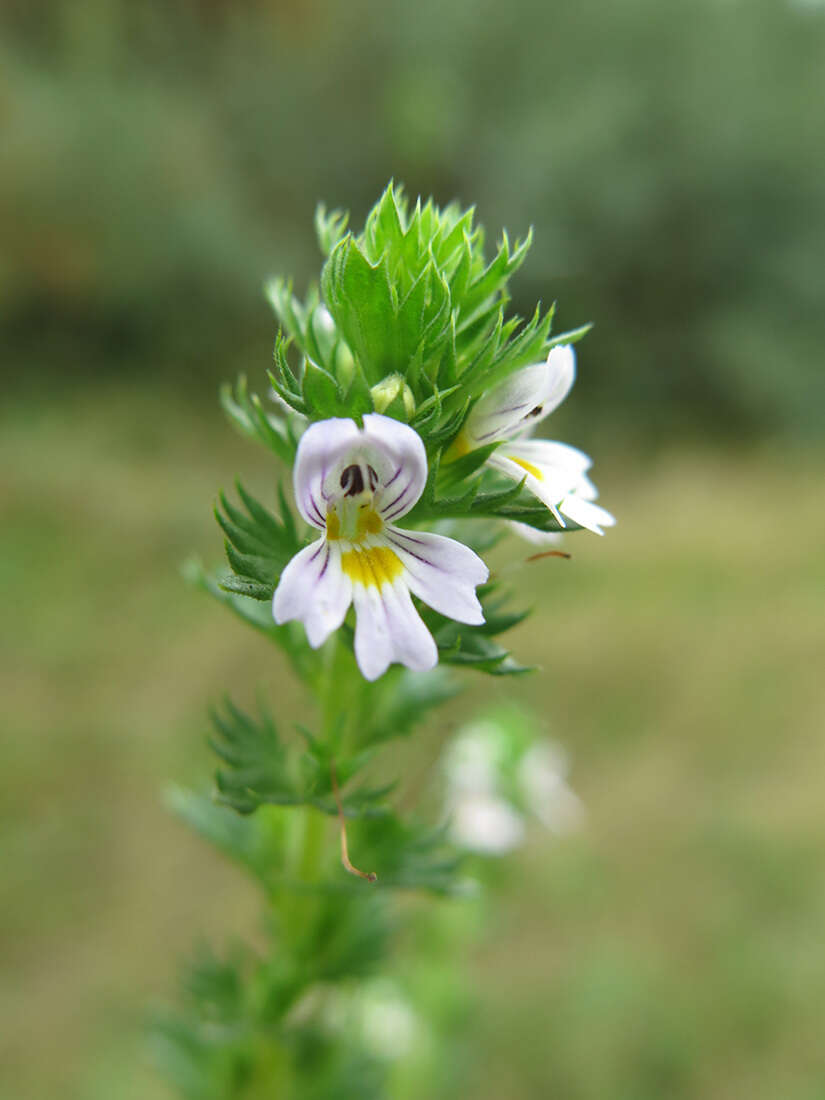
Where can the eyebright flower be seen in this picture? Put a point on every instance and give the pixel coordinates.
(554, 472)
(352, 485)
(495, 784)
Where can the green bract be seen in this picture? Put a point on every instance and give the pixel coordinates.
(411, 299)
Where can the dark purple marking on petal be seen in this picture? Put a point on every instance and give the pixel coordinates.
(385, 511)
(406, 535)
(420, 557)
(487, 435)
(314, 508)
(510, 409)
(394, 476)
(326, 562)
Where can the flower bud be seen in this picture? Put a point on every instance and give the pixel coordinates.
(386, 391)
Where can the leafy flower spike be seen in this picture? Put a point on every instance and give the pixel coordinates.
(352, 484)
(554, 472)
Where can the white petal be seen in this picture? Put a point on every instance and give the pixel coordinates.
(314, 589)
(404, 484)
(553, 470)
(568, 462)
(523, 399)
(586, 489)
(586, 514)
(319, 450)
(441, 572)
(394, 452)
(388, 628)
(502, 411)
(549, 490)
(561, 371)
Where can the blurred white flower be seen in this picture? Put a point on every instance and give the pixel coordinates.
(497, 779)
(473, 759)
(375, 1013)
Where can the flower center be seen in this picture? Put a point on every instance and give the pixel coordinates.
(352, 516)
(355, 477)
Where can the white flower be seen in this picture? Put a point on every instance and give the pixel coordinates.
(481, 820)
(495, 784)
(554, 472)
(352, 484)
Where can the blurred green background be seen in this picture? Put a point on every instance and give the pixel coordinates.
(158, 160)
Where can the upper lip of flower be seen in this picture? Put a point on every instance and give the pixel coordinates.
(554, 472)
(523, 400)
(352, 484)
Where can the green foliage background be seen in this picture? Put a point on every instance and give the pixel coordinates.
(159, 162)
(162, 159)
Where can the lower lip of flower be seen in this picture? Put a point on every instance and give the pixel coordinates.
(374, 567)
(528, 466)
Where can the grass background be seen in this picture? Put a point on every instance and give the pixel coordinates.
(674, 948)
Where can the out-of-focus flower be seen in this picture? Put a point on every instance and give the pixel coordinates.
(497, 779)
(352, 484)
(554, 472)
(375, 1013)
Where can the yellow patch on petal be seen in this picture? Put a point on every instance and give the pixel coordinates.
(528, 466)
(372, 568)
(369, 523)
(333, 526)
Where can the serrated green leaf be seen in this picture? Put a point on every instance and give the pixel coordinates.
(330, 227)
(320, 390)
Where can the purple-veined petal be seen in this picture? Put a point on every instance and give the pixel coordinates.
(319, 449)
(388, 628)
(391, 456)
(586, 514)
(314, 589)
(523, 399)
(502, 411)
(441, 572)
(400, 490)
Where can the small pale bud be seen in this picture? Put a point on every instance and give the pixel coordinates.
(344, 365)
(386, 391)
